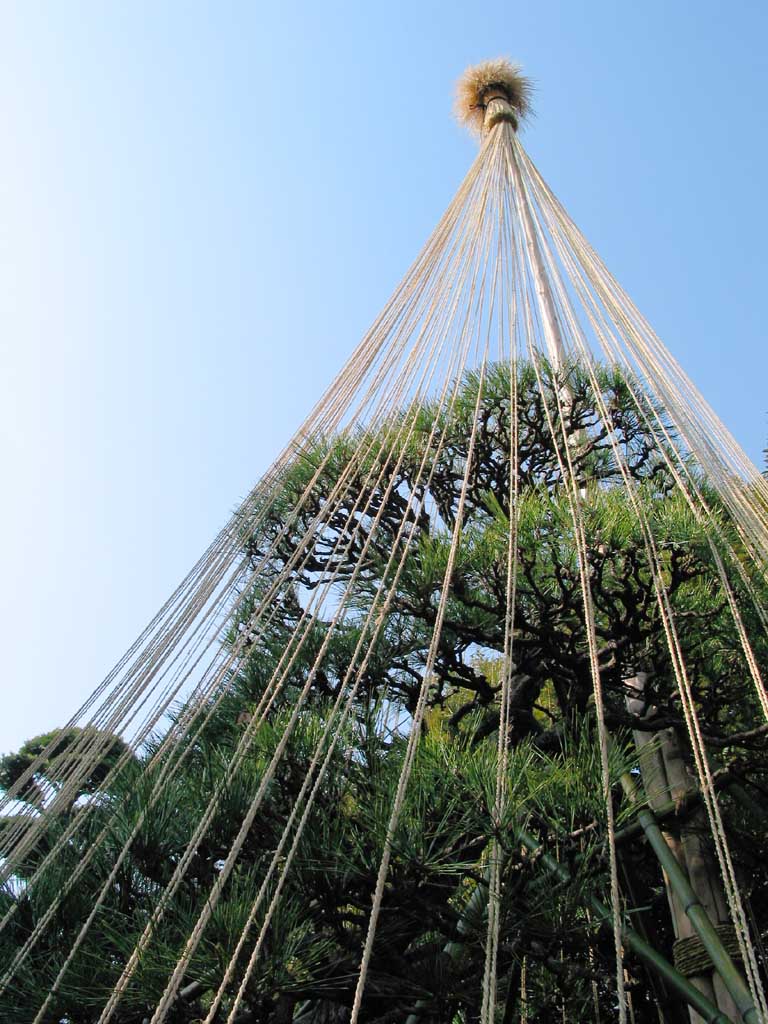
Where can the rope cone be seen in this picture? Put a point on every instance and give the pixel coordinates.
(506, 327)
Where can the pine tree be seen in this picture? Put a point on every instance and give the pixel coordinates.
(556, 955)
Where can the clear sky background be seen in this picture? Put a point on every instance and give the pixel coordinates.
(203, 206)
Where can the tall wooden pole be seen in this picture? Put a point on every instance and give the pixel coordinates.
(498, 111)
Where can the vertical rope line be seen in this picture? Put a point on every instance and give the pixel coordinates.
(574, 502)
(392, 589)
(699, 750)
(130, 967)
(502, 752)
(225, 667)
(418, 713)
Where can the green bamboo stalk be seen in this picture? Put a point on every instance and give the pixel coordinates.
(695, 912)
(633, 941)
(675, 808)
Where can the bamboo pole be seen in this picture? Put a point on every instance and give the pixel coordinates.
(656, 762)
(697, 862)
(673, 810)
(549, 321)
(693, 908)
(651, 957)
(706, 1009)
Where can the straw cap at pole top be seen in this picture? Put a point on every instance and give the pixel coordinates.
(493, 91)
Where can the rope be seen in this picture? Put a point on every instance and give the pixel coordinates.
(505, 266)
(691, 958)
(415, 731)
(391, 397)
(556, 422)
(702, 766)
(181, 868)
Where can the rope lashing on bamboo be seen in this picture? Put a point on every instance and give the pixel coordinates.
(505, 276)
(692, 959)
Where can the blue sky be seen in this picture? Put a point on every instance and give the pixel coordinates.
(203, 206)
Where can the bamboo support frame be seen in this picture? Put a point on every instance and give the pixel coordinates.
(650, 956)
(696, 913)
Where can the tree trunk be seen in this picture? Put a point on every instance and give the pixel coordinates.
(666, 777)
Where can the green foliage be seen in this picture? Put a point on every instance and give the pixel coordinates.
(440, 847)
(430, 944)
(103, 751)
